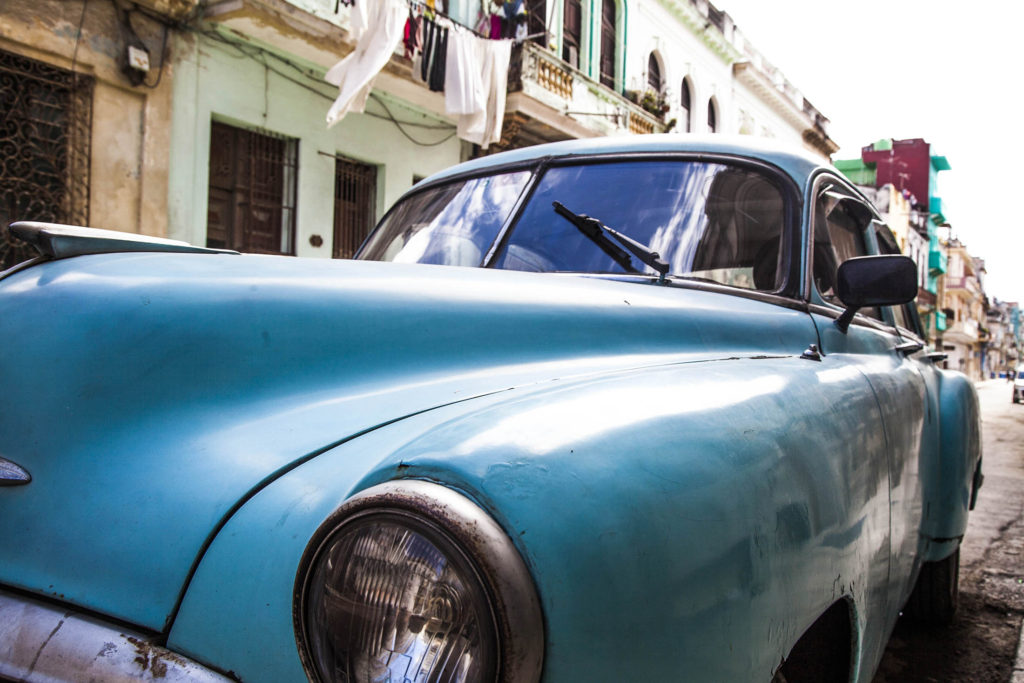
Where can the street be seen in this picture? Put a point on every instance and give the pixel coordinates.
(981, 645)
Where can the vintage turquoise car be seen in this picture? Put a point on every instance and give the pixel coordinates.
(636, 409)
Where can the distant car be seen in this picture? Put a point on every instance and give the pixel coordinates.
(653, 408)
(1018, 385)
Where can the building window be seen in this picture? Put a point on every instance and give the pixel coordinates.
(684, 105)
(536, 21)
(712, 116)
(608, 23)
(572, 32)
(46, 131)
(355, 201)
(654, 73)
(252, 191)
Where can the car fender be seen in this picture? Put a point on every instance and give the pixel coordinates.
(705, 505)
(950, 486)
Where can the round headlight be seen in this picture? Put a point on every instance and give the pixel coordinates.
(410, 581)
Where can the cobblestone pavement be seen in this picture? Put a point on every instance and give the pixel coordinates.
(981, 646)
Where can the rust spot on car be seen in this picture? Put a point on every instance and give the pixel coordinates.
(154, 659)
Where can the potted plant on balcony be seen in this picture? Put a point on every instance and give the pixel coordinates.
(653, 102)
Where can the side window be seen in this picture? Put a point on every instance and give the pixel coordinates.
(901, 315)
(839, 225)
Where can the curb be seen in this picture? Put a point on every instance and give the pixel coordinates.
(1018, 664)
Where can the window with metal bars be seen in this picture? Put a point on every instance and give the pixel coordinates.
(355, 201)
(253, 180)
(45, 143)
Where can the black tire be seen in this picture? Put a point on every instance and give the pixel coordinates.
(937, 593)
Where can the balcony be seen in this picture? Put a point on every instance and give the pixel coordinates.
(938, 262)
(941, 321)
(963, 285)
(963, 332)
(549, 100)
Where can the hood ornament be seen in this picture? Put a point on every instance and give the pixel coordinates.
(12, 474)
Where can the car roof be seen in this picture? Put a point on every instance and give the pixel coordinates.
(796, 162)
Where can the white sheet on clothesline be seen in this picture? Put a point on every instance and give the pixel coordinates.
(377, 28)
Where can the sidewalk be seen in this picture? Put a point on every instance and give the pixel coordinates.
(1018, 664)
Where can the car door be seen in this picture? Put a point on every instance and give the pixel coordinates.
(840, 226)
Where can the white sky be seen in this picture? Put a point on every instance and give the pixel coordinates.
(945, 71)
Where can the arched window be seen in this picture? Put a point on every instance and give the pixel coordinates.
(684, 105)
(712, 116)
(608, 20)
(653, 73)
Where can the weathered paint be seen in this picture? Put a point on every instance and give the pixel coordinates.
(222, 77)
(253, 362)
(130, 124)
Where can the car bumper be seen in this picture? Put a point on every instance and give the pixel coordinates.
(39, 642)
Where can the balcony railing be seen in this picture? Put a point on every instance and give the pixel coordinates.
(543, 76)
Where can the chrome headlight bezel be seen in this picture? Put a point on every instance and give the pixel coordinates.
(462, 527)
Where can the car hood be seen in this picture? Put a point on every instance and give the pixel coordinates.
(150, 395)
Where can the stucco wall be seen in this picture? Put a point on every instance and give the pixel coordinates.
(217, 81)
(129, 137)
(655, 27)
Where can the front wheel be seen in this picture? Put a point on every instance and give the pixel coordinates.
(937, 592)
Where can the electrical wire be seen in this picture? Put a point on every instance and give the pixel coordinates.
(78, 37)
(259, 55)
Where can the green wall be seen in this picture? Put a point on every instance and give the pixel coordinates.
(241, 86)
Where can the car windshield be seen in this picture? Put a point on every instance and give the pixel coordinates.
(712, 221)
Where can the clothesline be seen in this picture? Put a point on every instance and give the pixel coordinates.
(471, 70)
(421, 4)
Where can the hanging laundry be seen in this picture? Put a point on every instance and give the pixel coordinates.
(513, 12)
(463, 89)
(440, 57)
(413, 35)
(427, 49)
(378, 37)
(484, 126)
(434, 55)
(358, 18)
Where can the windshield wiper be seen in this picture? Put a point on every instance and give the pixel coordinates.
(597, 231)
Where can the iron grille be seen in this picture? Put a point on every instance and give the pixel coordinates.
(355, 200)
(252, 190)
(45, 137)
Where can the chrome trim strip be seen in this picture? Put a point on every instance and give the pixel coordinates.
(40, 643)
(13, 474)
